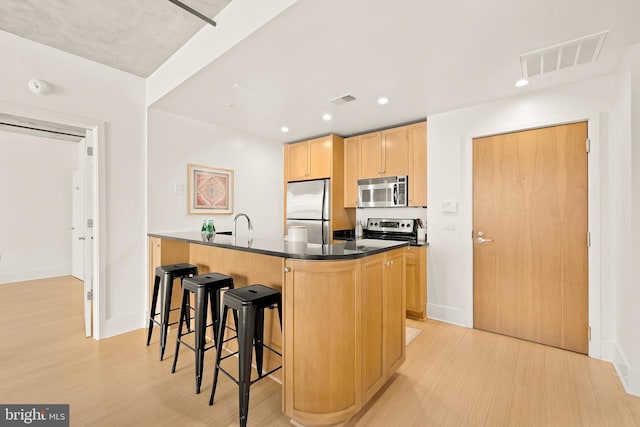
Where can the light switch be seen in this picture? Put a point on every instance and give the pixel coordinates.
(449, 206)
(178, 189)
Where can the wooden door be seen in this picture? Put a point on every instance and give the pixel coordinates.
(351, 172)
(530, 206)
(395, 160)
(370, 155)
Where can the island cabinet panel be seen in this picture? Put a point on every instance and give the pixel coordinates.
(373, 369)
(394, 309)
(322, 345)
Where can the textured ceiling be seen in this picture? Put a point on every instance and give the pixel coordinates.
(135, 36)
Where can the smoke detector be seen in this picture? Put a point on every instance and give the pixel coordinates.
(568, 54)
(343, 99)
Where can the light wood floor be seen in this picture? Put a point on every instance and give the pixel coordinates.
(452, 376)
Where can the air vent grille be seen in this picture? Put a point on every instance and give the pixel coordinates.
(343, 99)
(563, 55)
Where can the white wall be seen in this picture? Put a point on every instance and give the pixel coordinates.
(82, 88)
(35, 189)
(625, 226)
(614, 188)
(175, 141)
(449, 138)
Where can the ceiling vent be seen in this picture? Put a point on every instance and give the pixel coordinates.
(342, 99)
(564, 55)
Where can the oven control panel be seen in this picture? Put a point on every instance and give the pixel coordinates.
(394, 225)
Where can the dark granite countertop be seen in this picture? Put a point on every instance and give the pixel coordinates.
(282, 248)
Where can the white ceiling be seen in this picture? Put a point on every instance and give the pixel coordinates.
(135, 36)
(426, 56)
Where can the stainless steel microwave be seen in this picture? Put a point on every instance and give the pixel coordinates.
(384, 192)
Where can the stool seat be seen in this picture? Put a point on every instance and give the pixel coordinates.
(163, 289)
(248, 304)
(258, 295)
(206, 289)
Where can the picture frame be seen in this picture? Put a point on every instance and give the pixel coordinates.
(210, 190)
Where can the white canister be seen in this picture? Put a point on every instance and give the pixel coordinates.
(297, 233)
(422, 234)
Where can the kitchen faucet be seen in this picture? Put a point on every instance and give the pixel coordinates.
(235, 222)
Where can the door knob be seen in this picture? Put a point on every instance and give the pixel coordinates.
(482, 239)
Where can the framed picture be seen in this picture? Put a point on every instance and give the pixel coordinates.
(210, 190)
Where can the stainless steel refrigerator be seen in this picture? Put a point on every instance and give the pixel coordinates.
(308, 205)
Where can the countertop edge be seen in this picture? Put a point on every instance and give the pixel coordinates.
(304, 257)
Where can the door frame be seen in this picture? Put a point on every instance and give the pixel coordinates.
(95, 140)
(595, 133)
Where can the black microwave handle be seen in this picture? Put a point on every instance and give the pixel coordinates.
(395, 194)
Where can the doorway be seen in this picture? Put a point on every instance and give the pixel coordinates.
(84, 203)
(530, 233)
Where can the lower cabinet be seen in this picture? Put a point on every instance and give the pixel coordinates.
(344, 333)
(416, 282)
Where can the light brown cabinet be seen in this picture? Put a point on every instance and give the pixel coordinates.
(320, 158)
(308, 159)
(383, 319)
(351, 171)
(384, 153)
(397, 151)
(351, 354)
(417, 136)
(416, 283)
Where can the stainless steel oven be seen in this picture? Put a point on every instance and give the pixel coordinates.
(384, 192)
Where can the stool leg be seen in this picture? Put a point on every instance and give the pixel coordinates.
(258, 335)
(166, 290)
(200, 325)
(221, 329)
(247, 322)
(154, 302)
(214, 300)
(185, 310)
(185, 295)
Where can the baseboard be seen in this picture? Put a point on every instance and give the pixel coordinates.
(121, 325)
(446, 314)
(629, 377)
(22, 276)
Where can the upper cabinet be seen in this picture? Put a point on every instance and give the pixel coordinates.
(351, 171)
(417, 134)
(384, 153)
(397, 151)
(308, 159)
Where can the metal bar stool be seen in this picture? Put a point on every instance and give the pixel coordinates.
(163, 288)
(248, 303)
(204, 286)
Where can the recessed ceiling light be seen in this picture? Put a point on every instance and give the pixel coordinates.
(522, 82)
(326, 117)
(284, 129)
(383, 100)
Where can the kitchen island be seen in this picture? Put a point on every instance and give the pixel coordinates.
(343, 312)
